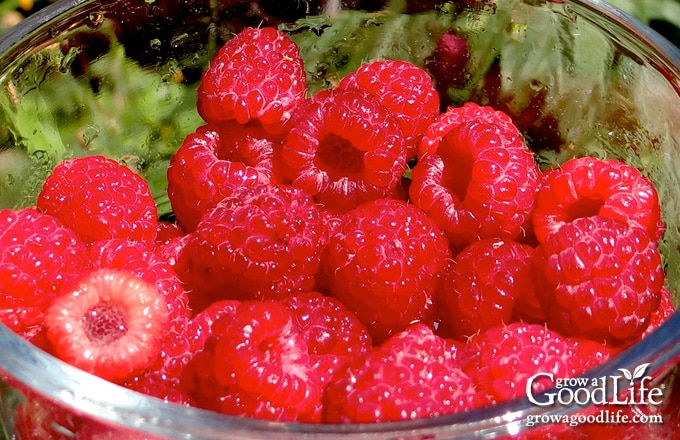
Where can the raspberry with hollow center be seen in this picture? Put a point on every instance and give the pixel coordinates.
(256, 364)
(121, 207)
(599, 278)
(480, 183)
(109, 323)
(257, 75)
(212, 162)
(589, 186)
(344, 148)
(383, 263)
(453, 117)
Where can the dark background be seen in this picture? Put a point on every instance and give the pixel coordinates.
(662, 15)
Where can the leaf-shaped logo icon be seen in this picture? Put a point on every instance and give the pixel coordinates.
(627, 374)
(639, 371)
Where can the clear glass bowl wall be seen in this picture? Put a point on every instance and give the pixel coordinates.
(119, 78)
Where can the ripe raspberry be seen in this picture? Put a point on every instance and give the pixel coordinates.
(662, 313)
(501, 359)
(256, 364)
(334, 334)
(262, 242)
(589, 186)
(590, 354)
(185, 337)
(414, 374)
(109, 323)
(599, 278)
(405, 90)
(99, 198)
(39, 254)
(453, 117)
(383, 264)
(483, 285)
(344, 148)
(212, 162)
(170, 251)
(166, 232)
(481, 183)
(140, 259)
(257, 75)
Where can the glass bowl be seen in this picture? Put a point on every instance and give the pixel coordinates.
(119, 78)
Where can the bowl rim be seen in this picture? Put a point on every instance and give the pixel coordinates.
(124, 408)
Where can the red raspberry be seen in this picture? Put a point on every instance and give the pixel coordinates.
(256, 364)
(590, 354)
(413, 375)
(212, 162)
(483, 285)
(589, 186)
(405, 90)
(109, 323)
(38, 255)
(262, 242)
(599, 278)
(501, 359)
(167, 231)
(344, 148)
(333, 333)
(140, 259)
(481, 183)
(183, 340)
(384, 262)
(99, 198)
(257, 75)
(662, 313)
(170, 251)
(453, 117)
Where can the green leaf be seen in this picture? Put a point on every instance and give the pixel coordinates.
(115, 108)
